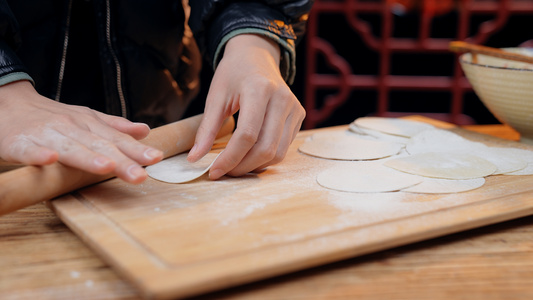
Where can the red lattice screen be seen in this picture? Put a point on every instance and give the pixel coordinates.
(334, 74)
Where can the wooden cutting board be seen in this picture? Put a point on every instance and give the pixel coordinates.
(181, 240)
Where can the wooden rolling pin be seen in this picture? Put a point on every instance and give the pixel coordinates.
(29, 185)
(459, 46)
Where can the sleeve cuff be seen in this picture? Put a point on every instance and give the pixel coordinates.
(16, 76)
(288, 51)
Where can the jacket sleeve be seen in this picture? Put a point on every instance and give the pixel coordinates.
(213, 22)
(11, 68)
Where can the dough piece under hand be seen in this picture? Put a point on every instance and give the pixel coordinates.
(365, 177)
(442, 186)
(348, 147)
(177, 169)
(445, 165)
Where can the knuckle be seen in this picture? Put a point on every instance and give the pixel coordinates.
(121, 140)
(84, 110)
(263, 81)
(68, 146)
(303, 113)
(262, 85)
(248, 136)
(13, 147)
(286, 93)
(277, 158)
(268, 153)
(62, 119)
(101, 145)
(226, 163)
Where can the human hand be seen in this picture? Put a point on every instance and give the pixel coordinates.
(248, 79)
(35, 130)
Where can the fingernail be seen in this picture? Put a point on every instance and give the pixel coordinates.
(135, 171)
(141, 124)
(153, 153)
(215, 174)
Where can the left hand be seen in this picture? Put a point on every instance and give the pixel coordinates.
(248, 79)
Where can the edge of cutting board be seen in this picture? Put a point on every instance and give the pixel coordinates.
(156, 282)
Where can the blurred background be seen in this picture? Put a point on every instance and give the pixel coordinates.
(391, 57)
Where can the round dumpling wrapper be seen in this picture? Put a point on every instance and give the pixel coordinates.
(365, 177)
(440, 140)
(349, 148)
(446, 165)
(393, 126)
(445, 186)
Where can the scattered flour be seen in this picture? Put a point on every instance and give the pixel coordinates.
(89, 283)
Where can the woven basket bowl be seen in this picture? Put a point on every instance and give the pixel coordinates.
(505, 87)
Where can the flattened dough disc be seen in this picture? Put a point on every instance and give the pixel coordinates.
(177, 169)
(377, 135)
(442, 186)
(393, 126)
(505, 159)
(446, 165)
(440, 140)
(365, 177)
(349, 148)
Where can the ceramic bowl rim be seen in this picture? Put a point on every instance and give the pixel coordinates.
(463, 60)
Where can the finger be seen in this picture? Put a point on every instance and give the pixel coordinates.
(40, 156)
(104, 151)
(104, 138)
(72, 153)
(289, 134)
(212, 120)
(279, 130)
(287, 118)
(246, 134)
(266, 148)
(136, 130)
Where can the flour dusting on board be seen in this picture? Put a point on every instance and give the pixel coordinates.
(368, 203)
(364, 209)
(242, 214)
(74, 274)
(229, 211)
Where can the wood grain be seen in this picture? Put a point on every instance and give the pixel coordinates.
(182, 240)
(493, 262)
(41, 259)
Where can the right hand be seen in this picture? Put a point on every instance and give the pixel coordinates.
(35, 130)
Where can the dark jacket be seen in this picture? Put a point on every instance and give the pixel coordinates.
(133, 58)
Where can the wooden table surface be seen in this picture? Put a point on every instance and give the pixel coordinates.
(40, 258)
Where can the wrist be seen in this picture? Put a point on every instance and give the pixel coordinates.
(254, 42)
(12, 92)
